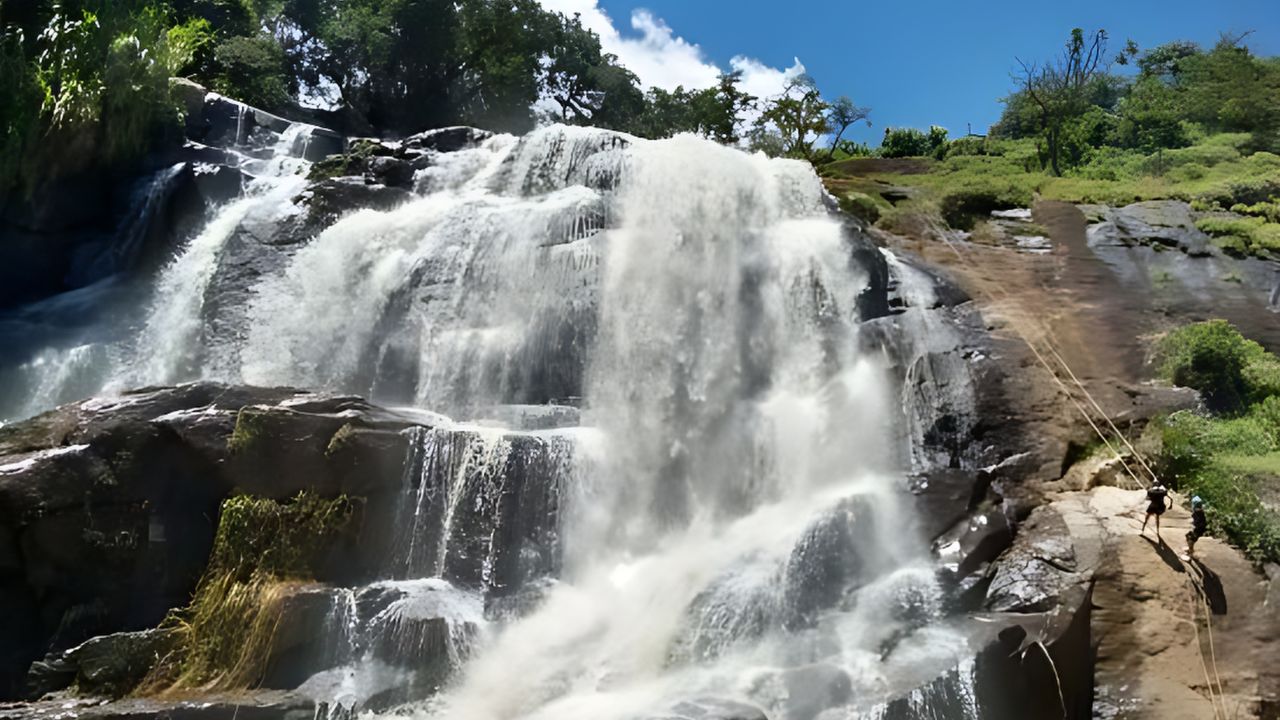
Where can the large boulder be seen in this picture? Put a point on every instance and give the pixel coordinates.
(1163, 222)
(108, 507)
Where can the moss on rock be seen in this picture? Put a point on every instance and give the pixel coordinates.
(263, 549)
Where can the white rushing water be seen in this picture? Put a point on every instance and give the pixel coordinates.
(734, 528)
(740, 433)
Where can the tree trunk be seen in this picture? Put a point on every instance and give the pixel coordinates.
(1053, 152)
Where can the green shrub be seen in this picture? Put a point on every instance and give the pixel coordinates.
(1206, 155)
(1236, 512)
(1242, 235)
(1269, 211)
(1190, 171)
(1227, 369)
(968, 145)
(910, 142)
(1213, 459)
(1253, 190)
(861, 205)
(225, 635)
(962, 208)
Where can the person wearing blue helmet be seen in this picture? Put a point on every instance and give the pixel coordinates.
(1198, 525)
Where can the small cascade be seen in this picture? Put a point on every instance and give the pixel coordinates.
(394, 641)
(481, 506)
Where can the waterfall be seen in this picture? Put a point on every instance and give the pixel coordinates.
(707, 507)
(743, 522)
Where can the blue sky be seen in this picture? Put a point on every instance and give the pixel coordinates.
(917, 63)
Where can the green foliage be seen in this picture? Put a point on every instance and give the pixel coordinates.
(962, 207)
(262, 548)
(798, 116)
(862, 206)
(1226, 460)
(964, 146)
(247, 432)
(847, 148)
(1243, 235)
(251, 68)
(1228, 370)
(91, 86)
(713, 112)
(910, 142)
(259, 535)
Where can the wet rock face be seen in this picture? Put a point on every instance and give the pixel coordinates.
(1055, 555)
(100, 223)
(108, 507)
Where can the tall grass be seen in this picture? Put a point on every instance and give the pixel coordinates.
(262, 550)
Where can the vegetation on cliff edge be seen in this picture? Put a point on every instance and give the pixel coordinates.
(1229, 456)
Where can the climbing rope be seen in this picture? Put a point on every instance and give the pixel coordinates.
(1215, 698)
(1196, 581)
(1048, 338)
(1195, 586)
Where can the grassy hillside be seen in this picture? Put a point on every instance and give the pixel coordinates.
(1217, 174)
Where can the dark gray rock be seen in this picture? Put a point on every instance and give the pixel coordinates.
(826, 563)
(1163, 222)
(390, 171)
(114, 664)
(253, 705)
(974, 541)
(811, 689)
(1051, 563)
(330, 199)
(109, 506)
(450, 139)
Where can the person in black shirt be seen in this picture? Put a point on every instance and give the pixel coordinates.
(1157, 503)
(1198, 525)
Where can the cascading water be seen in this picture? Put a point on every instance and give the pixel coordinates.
(741, 533)
(723, 526)
(168, 347)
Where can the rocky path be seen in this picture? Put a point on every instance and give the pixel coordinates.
(1162, 642)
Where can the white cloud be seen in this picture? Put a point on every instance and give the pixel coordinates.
(660, 58)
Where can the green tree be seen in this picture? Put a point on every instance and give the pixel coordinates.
(1149, 117)
(714, 112)
(1061, 88)
(841, 114)
(589, 85)
(799, 116)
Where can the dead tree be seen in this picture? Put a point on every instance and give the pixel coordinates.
(1060, 87)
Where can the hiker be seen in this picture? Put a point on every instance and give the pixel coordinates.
(1156, 505)
(1198, 525)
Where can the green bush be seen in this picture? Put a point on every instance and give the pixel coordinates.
(1242, 235)
(861, 205)
(966, 146)
(1214, 458)
(1227, 369)
(1269, 211)
(1190, 171)
(962, 208)
(910, 142)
